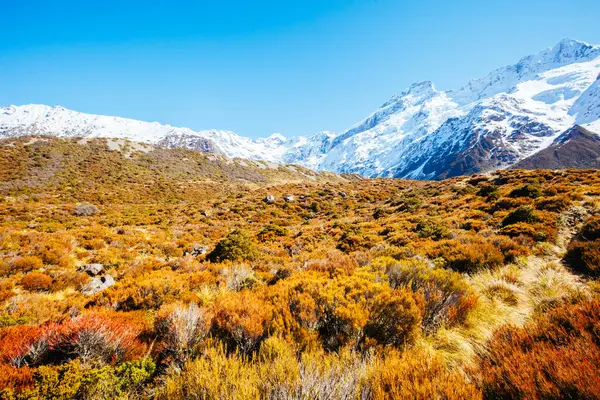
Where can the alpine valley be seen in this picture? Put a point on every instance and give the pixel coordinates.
(522, 114)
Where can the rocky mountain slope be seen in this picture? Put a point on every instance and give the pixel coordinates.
(424, 133)
(575, 148)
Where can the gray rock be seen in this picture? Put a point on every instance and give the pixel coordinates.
(198, 250)
(86, 210)
(93, 269)
(98, 284)
(269, 199)
(343, 194)
(289, 199)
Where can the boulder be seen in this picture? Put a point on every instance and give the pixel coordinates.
(93, 269)
(269, 199)
(198, 250)
(98, 284)
(289, 199)
(86, 210)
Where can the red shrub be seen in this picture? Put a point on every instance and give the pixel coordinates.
(15, 341)
(94, 336)
(558, 356)
(89, 337)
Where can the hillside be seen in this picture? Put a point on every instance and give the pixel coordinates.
(120, 170)
(576, 148)
(131, 271)
(423, 132)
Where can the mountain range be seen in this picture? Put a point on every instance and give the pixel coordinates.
(524, 114)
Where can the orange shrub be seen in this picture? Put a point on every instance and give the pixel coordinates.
(13, 378)
(36, 282)
(26, 264)
(394, 318)
(583, 253)
(447, 297)
(416, 375)
(54, 250)
(6, 290)
(468, 255)
(148, 292)
(348, 310)
(509, 248)
(333, 264)
(181, 329)
(591, 229)
(556, 204)
(241, 320)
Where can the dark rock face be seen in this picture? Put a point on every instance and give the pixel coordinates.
(575, 148)
(474, 143)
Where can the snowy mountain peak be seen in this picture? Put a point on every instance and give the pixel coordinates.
(568, 50)
(422, 89)
(275, 140)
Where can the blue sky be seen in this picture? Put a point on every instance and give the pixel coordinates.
(258, 67)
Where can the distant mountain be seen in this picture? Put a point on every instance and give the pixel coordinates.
(36, 119)
(423, 133)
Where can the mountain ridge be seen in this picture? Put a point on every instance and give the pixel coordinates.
(491, 122)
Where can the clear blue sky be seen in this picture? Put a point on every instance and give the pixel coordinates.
(258, 67)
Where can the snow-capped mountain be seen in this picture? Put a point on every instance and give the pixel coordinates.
(490, 123)
(424, 133)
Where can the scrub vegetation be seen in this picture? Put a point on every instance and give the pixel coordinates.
(174, 274)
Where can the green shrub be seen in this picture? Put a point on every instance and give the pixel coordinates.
(532, 190)
(237, 245)
(431, 229)
(521, 214)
